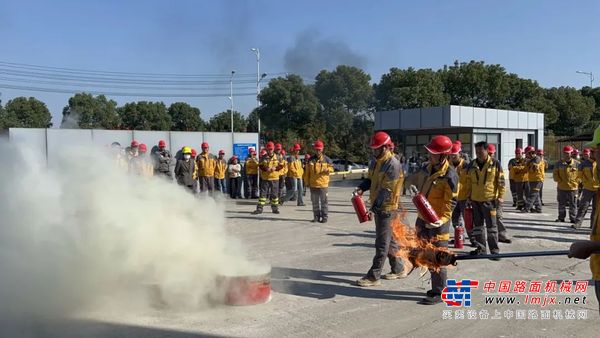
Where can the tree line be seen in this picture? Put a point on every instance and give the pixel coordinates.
(337, 108)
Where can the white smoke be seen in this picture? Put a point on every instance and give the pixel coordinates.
(84, 233)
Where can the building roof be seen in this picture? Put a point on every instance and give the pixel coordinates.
(457, 116)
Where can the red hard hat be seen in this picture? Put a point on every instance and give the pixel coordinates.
(162, 144)
(319, 145)
(491, 148)
(143, 148)
(456, 148)
(540, 152)
(439, 144)
(204, 145)
(529, 149)
(194, 153)
(282, 151)
(234, 157)
(380, 139)
(575, 152)
(134, 144)
(568, 149)
(221, 152)
(297, 147)
(278, 146)
(307, 156)
(270, 145)
(518, 151)
(587, 151)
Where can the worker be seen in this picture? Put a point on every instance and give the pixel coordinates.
(460, 166)
(383, 184)
(234, 171)
(133, 150)
(517, 171)
(270, 169)
(544, 164)
(281, 159)
(575, 154)
(589, 177)
(485, 188)
(206, 163)
(118, 156)
(162, 160)
(502, 233)
(438, 181)
(565, 175)
(294, 175)
(535, 180)
(184, 170)
(251, 169)
(141, 165)
(220, 171)
(316, 177)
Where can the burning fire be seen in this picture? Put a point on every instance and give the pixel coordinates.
(420, 253)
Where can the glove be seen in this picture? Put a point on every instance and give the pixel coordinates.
(434, 225)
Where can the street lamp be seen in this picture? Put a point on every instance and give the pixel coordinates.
(590, 74)
(258, 78)
(231, 99)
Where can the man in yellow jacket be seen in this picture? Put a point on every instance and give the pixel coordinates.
(316, 175)
(220, 169)
(589, 177)
(295, 173)
(206, 163)
(485, 186)
(517, 175)
(270, 169)
(566, 176)
(282, 172)
(438, 181)
(384, 186)
(535, 181)
(251, 168)
(460, 166)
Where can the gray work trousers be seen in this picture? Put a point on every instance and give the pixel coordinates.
(206, 183)
(587, 197)
(500, 221)
(533, 197)
(485, 228)
(296, 190)
(438, 278)
(318, 197)
(566, 199)
(385, 246)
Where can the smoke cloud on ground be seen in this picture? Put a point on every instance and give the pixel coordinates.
(84, 234)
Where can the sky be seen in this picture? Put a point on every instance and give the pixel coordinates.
(547, 41)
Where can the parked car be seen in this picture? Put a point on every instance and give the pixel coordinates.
(345, 165)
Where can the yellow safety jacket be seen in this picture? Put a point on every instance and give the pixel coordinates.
(220, 169)
(141, 166)
(251, 166)
(294, 165)
(544, 167)
(270, 168)
(318, 169)
(517, 170)
(536, 168)
(282, 161)
(588, 175)
(566, 175)
(206, 164)
(485, 184)
(461, 171)
(384, 182)
(595, 236)
(440, 187)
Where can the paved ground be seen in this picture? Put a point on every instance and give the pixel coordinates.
(314, 266)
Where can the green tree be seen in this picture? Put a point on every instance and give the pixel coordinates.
(145, 115)
(252, 121)
(574, 110)
(186, 117)
(22, 112)
(410, 88)
(3, 118)
(222, 122)
(346, 87)
(88, 112)
(287, 105)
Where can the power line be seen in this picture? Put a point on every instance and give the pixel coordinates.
(67, 91)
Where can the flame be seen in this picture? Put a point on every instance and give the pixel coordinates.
(418, 252)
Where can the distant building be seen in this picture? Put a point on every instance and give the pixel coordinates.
(411, 129)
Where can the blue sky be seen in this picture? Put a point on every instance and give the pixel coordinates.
(543, 40)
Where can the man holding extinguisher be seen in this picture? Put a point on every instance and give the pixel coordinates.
(438, 182)
(384, 185)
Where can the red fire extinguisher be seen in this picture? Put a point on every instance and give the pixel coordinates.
(468, 217)
(360, 208)
(459, 237)
(423, 206)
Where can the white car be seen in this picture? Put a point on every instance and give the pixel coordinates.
(343, 165)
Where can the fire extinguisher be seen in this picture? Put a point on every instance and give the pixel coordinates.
(459, 237)
(468, 217)
(360, 208)
(423, 206)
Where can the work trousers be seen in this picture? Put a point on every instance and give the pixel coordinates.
(385, 246)
(318, 197)
(485, 227)
(566, 199)
(206, 183)
(533, 198)
(439, 237)
(268, 190)
(296, 190)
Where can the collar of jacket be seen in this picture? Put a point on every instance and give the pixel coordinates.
(460, 165)
(440, 172)
(385, 156)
